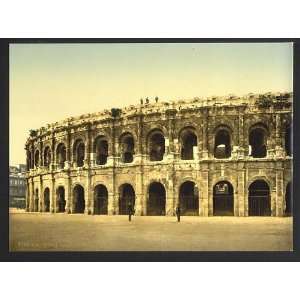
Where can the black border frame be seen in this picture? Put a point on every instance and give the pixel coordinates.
(131, 256)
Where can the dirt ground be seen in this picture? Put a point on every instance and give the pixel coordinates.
(62, 232)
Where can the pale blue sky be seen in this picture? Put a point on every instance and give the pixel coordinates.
(50, 82)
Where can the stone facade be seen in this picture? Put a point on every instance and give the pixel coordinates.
(205, 154)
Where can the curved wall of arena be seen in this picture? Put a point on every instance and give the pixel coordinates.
(215, 156)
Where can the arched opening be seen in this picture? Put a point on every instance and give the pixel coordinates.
(156, 205)
(223, 199)
(258, 142)
(222, 144)
(188, 140)
(288, 141)
(78, 200)
(46, 200)
(36, 200)
(156, 146)
(189, 199)
(78, 153)
(61, 155)
(47, 156)
(37, 158)
(101, 150)
(61, 202)
(288, 200)
(127, 148)
(100, 200)
(259, 202)
(126, 198)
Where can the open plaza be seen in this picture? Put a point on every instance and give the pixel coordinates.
(79, 232)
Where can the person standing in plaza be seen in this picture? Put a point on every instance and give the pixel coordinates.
(130, 211)
(178, 212)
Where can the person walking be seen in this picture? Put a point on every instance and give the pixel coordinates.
(178, 212)
(130, 211)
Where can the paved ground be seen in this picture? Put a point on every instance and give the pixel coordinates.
(60, 232)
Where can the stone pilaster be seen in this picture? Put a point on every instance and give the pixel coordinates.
(92, 201)
(52, 195)
(41, 153)
(204, 193)
(279, 151)
(68, 162)
(41, 197)
(279, 193)
(87, 199)
(239, 201)
(68, 195)
(89, 202)
(170, 197)
(139, 177)
(139, 194)
(271, 142)
(205, 151)
(204, 211)
(112, 210)
(273, 202)
(242, 149)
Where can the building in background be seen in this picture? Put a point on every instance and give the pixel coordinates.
(17, 186)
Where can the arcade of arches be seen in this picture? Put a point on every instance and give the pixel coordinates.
(189, 199)
(258, 138)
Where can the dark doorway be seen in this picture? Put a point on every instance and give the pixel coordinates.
(189, 199)
(259, 202)
(47, 156)
(156, 205)
(288, 141)
(288, 200)
(188, 142)
(79, 152)
(46, 200)
(101, 150)
(223, 200)
(61, 202)
(36, 200)
(222, 144)
(100, 200)
(156, 146)
(127, 148)
(61, 155)
(257, 141)
(78, 200)
(127, 196)
(37, 158)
